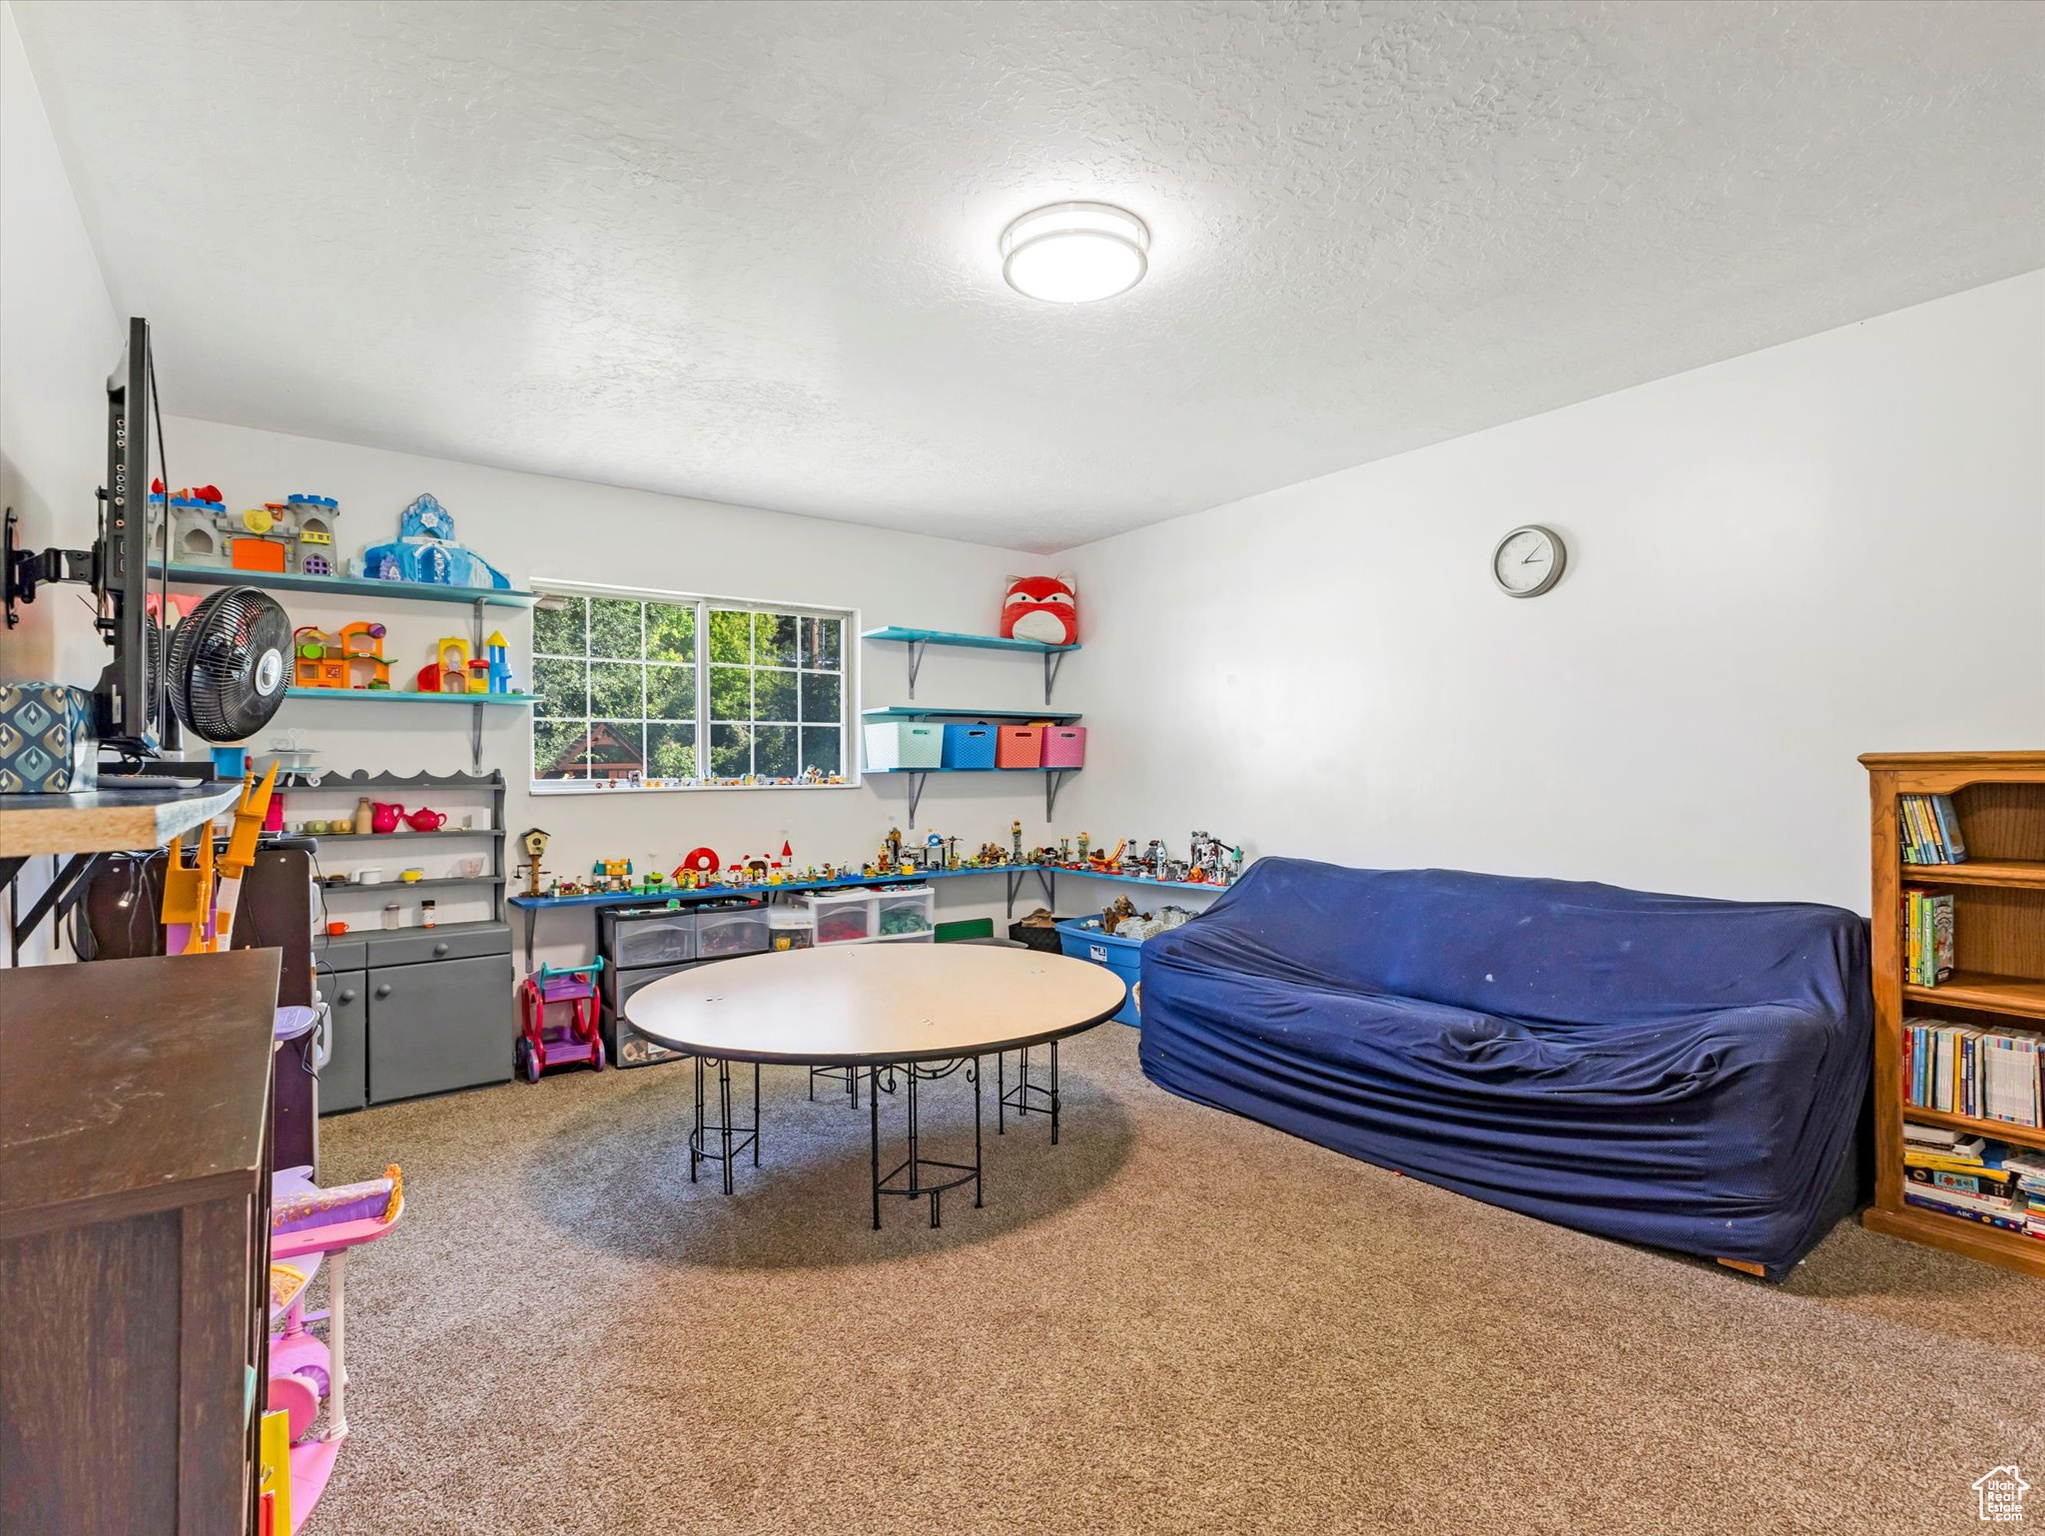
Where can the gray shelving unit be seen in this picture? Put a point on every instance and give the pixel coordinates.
(419, 1010)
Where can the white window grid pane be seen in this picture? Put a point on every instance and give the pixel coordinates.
(699, 649)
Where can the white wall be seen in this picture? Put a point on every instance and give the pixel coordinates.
(59, 339)
(1775, 563)
(532, 527)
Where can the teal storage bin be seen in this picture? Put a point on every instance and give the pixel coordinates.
(897, 744)
(1083, 939)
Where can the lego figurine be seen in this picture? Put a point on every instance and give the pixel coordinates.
(1015, 839)
(1085, 843)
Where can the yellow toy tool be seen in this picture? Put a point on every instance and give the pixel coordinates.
(198, 916)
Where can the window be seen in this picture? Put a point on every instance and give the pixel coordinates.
(650, 691)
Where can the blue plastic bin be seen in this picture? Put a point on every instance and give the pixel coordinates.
(1082, 939)
(967, 745)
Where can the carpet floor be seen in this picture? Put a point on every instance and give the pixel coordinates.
(1174, 1321)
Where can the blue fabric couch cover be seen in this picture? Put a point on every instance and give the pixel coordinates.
(1662, 1069)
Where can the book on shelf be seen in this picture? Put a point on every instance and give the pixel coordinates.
(1927, 937)
(1982, 1183)
(1976, 1178)
(1984, 1074)
(1931, 830)
(1959, 1205)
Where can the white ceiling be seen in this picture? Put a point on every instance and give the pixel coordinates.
(747, 252)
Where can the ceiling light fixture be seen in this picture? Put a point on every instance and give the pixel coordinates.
(1074, 253)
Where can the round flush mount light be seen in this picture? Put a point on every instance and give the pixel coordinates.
(1074, 253)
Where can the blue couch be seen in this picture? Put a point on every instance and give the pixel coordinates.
(1661, 1069)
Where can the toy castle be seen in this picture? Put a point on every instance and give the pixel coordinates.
(427, 551)
(291, 537)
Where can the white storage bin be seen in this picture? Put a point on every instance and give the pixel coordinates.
(791, 926)
(842, 917)
(905, 914)
(904, 744)
(721, 934)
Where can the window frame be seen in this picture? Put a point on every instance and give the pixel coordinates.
(850, 755)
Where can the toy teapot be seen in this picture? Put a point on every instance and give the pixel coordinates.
(384, 818)
(423, 820)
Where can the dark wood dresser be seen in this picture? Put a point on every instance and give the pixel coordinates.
(135, 1120)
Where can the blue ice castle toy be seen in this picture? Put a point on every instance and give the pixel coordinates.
(427, 551)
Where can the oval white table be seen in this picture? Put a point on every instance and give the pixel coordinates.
(925, 1010)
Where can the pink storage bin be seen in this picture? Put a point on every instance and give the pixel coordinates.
(1064, 746)
(1019, 746)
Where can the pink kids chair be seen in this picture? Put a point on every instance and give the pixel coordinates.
(307, 1225)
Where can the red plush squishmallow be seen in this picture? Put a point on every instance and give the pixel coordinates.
(1042, 608)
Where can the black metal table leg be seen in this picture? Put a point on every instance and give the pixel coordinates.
(724, 1114)
(1026, 1095)
(918, 1177)
(731, 1138)
(756, 1104)
(696, 1134)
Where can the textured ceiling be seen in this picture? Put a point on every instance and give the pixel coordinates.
(747, 252)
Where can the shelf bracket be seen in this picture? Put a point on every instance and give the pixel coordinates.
(475, 738)
(916, 649)
(1052, 661)
(916, 781)
(1052, 781)
(1045, 879)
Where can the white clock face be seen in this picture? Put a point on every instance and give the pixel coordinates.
(1528, 561)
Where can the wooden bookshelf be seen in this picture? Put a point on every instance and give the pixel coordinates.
(1999, 958)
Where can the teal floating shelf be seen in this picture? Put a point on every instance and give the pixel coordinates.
(973, 642)
(406, 696)
(913, 712)
(344, 586)
(919, 639)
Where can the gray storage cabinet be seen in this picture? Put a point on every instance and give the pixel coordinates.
(440, 1009)
(344, 1080)
(416, 1011)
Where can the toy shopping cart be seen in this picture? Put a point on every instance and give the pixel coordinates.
(542, 1045)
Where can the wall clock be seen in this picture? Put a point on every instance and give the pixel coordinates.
(1528, 561)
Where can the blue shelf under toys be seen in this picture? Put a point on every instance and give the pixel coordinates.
(918, 639)
(349, 586)
(1014, 874)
